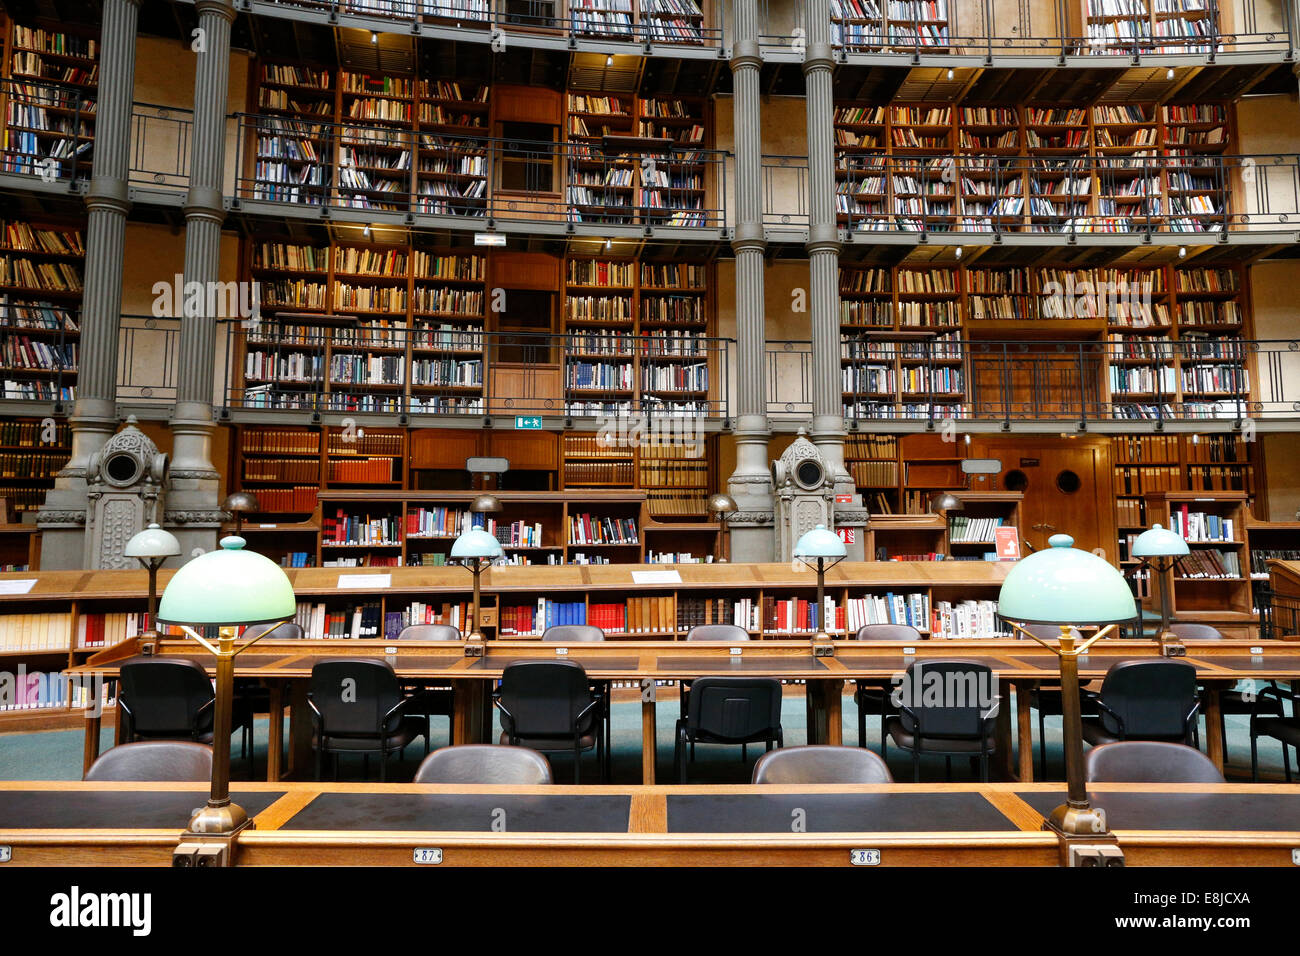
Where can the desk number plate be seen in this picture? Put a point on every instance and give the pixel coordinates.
(1295, 855)
(864, 857)
(427, 854)
(6, 854)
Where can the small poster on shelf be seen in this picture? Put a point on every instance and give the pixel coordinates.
(1007, 542)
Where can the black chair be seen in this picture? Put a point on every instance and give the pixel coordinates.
(550, 706)
(357, 706)
(1278, 726)
(729, 710)
(1148, 699)
(573, 634)
(872, 697)
(1148, 761)
(171, 760)
(484, 763)
(583, 634)
(436, 699)
(714, 633)
(172, 699)
(1047, 700)
(821, 764)
(961, 725)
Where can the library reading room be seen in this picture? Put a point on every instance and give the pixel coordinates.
(649, 432)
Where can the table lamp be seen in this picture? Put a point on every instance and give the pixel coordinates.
(723, 506)
(226, 588)
(239, 504)
(1159, 549)
(476, 548)
(152, 547)
(1068, 587)
(944, 502)
(821, 549)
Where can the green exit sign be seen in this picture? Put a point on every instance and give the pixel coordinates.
(532, 422)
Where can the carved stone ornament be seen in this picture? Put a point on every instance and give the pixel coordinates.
(51, 518)
(749, 518)
(194, 518)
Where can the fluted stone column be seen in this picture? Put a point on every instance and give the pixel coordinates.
(823, 247)
(751, 483)
(192, 501)
(94, 415)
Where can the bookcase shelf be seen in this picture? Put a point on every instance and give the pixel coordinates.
(41, 267)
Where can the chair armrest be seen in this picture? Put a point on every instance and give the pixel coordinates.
(507, 718)
(389, 721)
(596, 701)
(1118, 719)
(198, 714)
(1191, 714)
(317, 718)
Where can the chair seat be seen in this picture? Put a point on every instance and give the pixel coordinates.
(1094, 732)
(553, 744)
(407, 730)
(1285, 729)
(937, 745)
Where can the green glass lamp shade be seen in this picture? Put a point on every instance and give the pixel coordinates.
(1064, 585)
(1158, 542)
(820, 543)
(476, 543)
(152, 542)
(226, 587)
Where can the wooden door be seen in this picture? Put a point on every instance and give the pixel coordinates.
(1067, 487)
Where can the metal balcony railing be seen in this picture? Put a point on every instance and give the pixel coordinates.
(340, 364)
(1202, 192)
(613, 181)
(912, 376)
(161, 137)
(148, 349)
(673, 22)
(1138, 30)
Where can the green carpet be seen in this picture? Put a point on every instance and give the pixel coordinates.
(56, 755)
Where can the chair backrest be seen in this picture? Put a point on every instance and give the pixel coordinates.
(544, 698)
(179, 760)
(165, 694)
(821, 764)
(1196, 632)
(287, 631)
(353, 694)
(887, 632)
(484, 763)
(429, 632)
(1149, 761)
(1152, 697)
(573, 634)
(948, 699)
(1047, 632)
(735, 708)
(721, 633)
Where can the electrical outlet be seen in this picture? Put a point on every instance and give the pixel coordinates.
(1295, 855)
(1095, 854)
(206, 855)
(7, 854)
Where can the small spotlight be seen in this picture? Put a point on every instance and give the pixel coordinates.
(366, 232)
(1196, 439)
(959, 252)
(1169, 73)
(1182, 252)
(609, 243)
(950, 74)
(609, 60)
(374, 37)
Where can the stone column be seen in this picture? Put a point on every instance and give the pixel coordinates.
(751, 483)
(94, 415)
(823, 246)
(192, 502)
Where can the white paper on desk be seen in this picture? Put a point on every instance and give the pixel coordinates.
(17, 586)
(365, 580)
(656, 577)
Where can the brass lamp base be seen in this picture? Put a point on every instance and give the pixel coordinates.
(218, 821)
(1077, 821)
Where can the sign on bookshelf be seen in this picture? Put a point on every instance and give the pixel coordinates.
(528, 422)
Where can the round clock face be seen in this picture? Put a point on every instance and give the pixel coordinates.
(808, 474)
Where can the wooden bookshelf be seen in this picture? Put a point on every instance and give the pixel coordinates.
(41, 269)
(52, 76)
(32, 451)
(1215, 578)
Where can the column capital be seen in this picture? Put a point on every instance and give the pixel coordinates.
(204, 202)
(818, 56)
(745, 53)
(112, 195)
(216, 8)
(823, 237)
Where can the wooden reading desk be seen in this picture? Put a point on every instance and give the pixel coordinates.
(286, 665)
(103, 824)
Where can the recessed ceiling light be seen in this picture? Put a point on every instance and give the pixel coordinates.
(609, 60)
(950, 74)
(374, 37)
